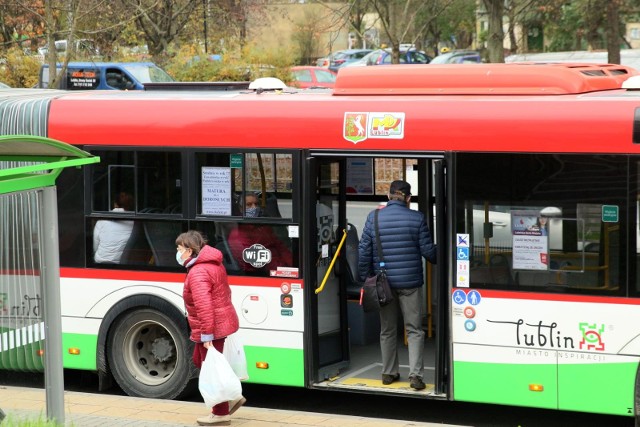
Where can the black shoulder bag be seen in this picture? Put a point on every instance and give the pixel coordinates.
(376, 291)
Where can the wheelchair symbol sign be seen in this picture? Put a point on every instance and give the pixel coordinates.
(459, 297)
(463, 253)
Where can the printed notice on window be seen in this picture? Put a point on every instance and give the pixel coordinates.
(530, 241)
(359, 176)
(216, 191)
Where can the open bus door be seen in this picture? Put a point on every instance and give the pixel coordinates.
(325, 206)
(343, 342)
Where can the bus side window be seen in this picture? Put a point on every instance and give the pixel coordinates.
(552, 235)
(161, 237)
(137, 250)
(159, 178)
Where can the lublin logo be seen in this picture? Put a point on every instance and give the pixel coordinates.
(542, 335)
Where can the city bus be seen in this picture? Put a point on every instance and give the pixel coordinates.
(527, 175)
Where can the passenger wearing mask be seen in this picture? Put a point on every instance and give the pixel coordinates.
(246, 235)
(210, 312)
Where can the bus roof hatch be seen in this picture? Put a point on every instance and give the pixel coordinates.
(481, 79)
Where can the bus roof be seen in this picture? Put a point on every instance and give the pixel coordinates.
(500, 120)
(493, 79)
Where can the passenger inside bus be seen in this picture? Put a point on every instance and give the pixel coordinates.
(246, 238)
(111, 236)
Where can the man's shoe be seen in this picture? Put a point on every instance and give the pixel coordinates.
(388, 379)
(417, 384)
(234, 405)
(214, 420)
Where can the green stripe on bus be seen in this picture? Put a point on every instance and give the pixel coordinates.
(605, 388)
(505, 384)
(23, 358)
(286, 366)
(87, 344)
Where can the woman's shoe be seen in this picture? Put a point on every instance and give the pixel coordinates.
(214, 420)
(234, 405)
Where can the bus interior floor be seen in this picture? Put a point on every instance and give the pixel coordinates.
(365, 370)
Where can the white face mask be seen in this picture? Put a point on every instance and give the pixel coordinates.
(179, 257)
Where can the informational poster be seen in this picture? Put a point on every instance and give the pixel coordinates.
(530, 240)
(360, 176)
(216, 191)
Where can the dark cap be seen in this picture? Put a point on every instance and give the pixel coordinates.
(400, 187)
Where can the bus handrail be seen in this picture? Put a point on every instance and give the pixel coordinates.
(333, 261)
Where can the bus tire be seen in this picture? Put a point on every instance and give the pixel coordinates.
(150, 354)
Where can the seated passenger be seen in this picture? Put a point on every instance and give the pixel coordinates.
(110, 236)
(244, 236)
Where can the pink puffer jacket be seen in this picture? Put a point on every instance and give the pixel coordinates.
(207, 297)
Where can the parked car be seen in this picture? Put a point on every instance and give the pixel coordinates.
(326, 61)
(4, 86)
(305, 77)
(344, 57)
(383, 57)
(458, 57)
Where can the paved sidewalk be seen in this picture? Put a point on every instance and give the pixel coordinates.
(97, 410)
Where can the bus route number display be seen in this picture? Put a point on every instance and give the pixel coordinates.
(216, 191)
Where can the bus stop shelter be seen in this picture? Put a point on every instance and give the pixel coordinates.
(29, 259)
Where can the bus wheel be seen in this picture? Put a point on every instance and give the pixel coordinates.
(149, 354)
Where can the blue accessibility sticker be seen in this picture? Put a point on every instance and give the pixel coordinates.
(474, 297)
(459, 297)
(462, 253)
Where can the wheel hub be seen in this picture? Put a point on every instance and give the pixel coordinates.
(162, 349)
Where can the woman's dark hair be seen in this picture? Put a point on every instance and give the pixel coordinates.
(193, 240)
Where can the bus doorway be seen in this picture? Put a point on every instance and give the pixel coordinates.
(344, 341)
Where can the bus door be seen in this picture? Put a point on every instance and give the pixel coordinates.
(324, 205)
(429, 185)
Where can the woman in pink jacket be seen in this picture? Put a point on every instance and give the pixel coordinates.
(211, 315)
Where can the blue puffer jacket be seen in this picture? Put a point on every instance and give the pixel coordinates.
(405, 240)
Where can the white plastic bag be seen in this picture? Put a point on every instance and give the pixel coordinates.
(234, 352)
(217, 383)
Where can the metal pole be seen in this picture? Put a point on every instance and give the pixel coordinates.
(50, 279)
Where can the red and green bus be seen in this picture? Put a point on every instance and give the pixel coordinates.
(527, 174)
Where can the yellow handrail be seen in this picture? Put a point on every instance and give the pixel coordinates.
(333, 261)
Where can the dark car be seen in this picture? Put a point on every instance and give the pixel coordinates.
(383, 57)
(458, 57)
(344, 57)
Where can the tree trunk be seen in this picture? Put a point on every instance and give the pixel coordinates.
(613, 31)
(495, 41)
